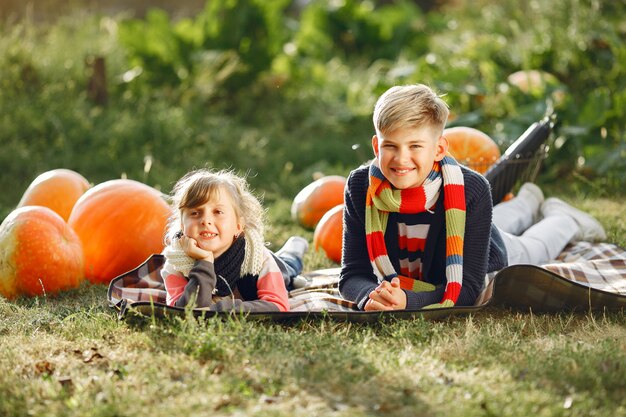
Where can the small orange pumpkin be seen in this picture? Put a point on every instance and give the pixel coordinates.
(120, 223)
(329, 233)
(471, 147)
(39, 253)
(314, 200)
(532, 81)
(537, 83)
(58, 189)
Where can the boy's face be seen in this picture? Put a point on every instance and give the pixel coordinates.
(406, 155)
(213, 224)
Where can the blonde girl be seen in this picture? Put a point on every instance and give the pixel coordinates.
(215, 254)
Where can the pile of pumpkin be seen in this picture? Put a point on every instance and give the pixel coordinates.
(64, 231)
(320, 204)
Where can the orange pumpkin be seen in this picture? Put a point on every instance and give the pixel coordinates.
(314, 200)
(58, 189)
(120, 223)
(472, 148)
(329, 232)
(532, 81)
(507, 197)
(537, 83)
(39, 253)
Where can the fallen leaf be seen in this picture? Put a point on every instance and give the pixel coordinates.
(44, 367)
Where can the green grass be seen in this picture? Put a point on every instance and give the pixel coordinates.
(57, 362)
(69, 355)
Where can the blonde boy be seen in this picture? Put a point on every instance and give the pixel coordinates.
(417, 226)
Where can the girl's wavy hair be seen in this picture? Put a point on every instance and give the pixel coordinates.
(200, 186)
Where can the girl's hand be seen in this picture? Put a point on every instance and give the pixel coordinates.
(387, 296)
(191, 248)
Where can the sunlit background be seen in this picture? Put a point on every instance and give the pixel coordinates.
(283, 90)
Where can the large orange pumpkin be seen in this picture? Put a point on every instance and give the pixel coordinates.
(314, 200)
(58, 189)
(121, 223)
(329, 232)
(39, 253)
(471, 147)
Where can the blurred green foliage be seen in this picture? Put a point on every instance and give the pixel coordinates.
(231, 41)
(359, 29)
(284, 90)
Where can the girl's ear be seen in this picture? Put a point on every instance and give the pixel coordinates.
(441, 148)
(240, 226)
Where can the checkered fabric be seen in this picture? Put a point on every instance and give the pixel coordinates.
(600, 266)
(584, 276)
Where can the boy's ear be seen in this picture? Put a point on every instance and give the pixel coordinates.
(375, 145)
(441, 148)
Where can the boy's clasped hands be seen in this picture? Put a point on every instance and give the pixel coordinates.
(387, 296)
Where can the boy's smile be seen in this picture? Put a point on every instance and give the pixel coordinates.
(406, 156)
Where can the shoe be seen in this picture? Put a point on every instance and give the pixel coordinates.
(518, 159)
(295, 245)
(531, 194)
(299, 282)
(589, 229)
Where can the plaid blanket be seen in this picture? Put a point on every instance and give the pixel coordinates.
(601, 266)
(584, 276)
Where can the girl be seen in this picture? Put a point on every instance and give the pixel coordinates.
(215, 253)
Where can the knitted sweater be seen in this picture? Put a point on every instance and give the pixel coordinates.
(265, 292)
(483, 248)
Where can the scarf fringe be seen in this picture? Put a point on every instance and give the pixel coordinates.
(253, 259)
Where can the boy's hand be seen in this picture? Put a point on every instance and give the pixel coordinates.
(387, 296)
(191, 248)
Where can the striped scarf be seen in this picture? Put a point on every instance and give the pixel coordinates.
(382, 199)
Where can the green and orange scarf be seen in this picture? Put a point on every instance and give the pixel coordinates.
(382, 199)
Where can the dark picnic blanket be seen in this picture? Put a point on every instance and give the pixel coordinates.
(584, 277)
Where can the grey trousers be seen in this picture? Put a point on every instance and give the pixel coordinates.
(528, 238)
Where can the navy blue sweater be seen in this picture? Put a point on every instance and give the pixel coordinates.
(483, 248)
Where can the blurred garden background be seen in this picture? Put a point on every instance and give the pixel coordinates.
(283, 90)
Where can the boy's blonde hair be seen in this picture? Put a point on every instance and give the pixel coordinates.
(409, 106)
(199, 186)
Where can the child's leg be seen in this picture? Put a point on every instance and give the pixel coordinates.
(519, 213)
(289, 258)
(542, 242)
(587, 227)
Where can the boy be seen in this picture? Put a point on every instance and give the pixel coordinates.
(417, 226)
(418, 229)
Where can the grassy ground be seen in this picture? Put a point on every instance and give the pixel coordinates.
(70, 356)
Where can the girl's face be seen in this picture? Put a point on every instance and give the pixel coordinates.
(213, 224)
